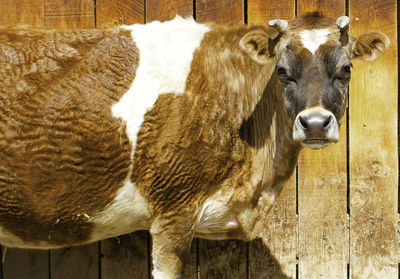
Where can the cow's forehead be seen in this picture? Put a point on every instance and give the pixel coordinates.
(310, 44)
(313, 39)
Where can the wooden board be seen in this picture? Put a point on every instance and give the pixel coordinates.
(260, 12)
(373, 149)
(110, 13)
(32, 15)
(163, 10)
(222, 259)
(69, 14)
(275, 256)
(26, 264)
(21, 263)
(167, 9)
(331, 8)
(82, 261)
(322, 193)
(78, 262)
(222, 11)
(125, 256)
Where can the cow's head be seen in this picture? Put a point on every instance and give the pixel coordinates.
(314, 68)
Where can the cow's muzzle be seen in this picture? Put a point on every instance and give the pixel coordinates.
(316, 128)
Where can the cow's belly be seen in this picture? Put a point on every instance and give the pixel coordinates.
(126, 213)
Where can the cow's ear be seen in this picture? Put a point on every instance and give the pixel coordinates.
(259, 44)
(370, 45)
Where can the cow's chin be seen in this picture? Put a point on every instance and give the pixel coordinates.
(315, 143)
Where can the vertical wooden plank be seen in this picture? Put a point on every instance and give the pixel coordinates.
(24, 264)
(261, 11)
(125, 257)
(20, 263)
(69, 14)
(275, 255)
(373, 148)
(322, 193)
(221, 259)
(75, 262)
(166, 9)
(110, 13)
(22, 12)
(223, 11)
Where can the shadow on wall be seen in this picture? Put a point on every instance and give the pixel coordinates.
(263, 264)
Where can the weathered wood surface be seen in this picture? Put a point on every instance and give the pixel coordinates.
(75, 262)
(68, 14)
(221, 11)
(374, 245)
(22, 12)
(323, 238)
(117, 12)
(275, 255)
(322, 193)
(167, 9)
(21, 263)
(222, 259)
(126, 256)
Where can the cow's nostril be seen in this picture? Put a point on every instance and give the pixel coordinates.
(303, 122)
(328, 121)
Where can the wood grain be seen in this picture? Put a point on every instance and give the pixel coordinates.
(167, 9)
(331, 8)
(373, 149)
(111, 13)
(125, 257)
(20, 263)
(223, 259)
(26, 264)
(77, 262)
(164, 10)
(322, 193)
(69, 14)
(22, 12)
(260, 12)
(275, 256)
(222, 11)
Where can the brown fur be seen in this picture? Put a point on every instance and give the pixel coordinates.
(312, 20)
(63, 156)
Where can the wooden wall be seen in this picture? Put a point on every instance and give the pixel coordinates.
(338, 215)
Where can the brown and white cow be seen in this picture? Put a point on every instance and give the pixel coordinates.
(180, 128)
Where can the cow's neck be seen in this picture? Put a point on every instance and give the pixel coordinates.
(268, 130)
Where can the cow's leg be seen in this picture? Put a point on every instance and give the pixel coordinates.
(171, 246)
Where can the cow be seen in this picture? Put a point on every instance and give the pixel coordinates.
(180, 128)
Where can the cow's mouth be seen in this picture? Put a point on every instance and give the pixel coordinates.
(315, 143)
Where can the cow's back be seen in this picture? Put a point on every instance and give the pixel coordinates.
(63, 155)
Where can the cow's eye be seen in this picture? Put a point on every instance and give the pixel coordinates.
(281, 71)
(347, 68)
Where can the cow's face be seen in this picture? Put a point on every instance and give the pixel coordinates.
(314, 69)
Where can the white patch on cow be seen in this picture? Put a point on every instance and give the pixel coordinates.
(215, 216)
(166, 52)
(126, 213)
(312, 39)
